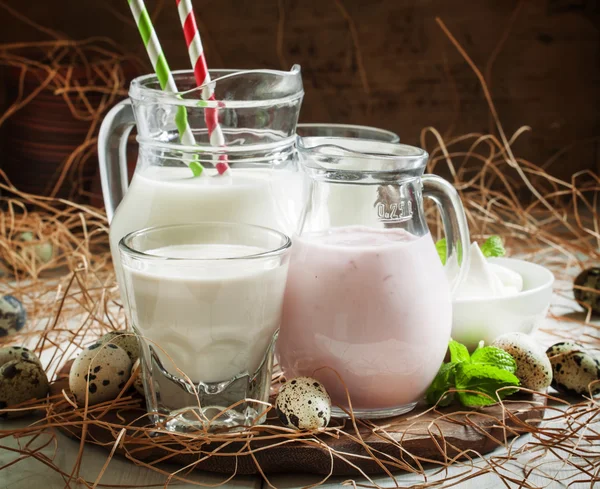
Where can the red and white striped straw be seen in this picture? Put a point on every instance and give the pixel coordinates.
(196, 52)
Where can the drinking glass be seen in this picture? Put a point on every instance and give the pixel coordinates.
(205, 302)
(346, 131)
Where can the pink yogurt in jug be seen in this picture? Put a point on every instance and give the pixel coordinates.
(371, 305)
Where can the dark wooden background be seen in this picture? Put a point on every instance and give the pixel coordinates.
(545, 75)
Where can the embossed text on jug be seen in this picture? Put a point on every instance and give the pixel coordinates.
(399, 211)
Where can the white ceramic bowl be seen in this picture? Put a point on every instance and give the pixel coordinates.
(485, 319)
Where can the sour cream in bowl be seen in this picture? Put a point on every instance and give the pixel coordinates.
(499, 295)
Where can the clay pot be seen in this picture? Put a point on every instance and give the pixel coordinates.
(38, 139)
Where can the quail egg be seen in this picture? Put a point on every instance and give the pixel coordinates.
(590, 279)
(533, 367)
(9, 353)
(563, 347)
(12, 315)
(136, 372)
(303, 404)
(102, 371)
(574, 369)
(42, 252)
(123, 339)
(20, 381)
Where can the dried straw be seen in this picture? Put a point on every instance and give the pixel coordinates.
(72, 300)
(88, 75)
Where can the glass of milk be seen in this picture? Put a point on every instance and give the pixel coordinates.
(205, 301)
(368, 309)
(257, 111)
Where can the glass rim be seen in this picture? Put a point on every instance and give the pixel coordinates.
(125, 248)
(358, 127)
(356, 149)
(139, 91)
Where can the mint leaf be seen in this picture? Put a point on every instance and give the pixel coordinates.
(440, 246)
(493, 247)
(458, 352)
(483, 373)
(444, 381)
(485, 380)
(496, 357)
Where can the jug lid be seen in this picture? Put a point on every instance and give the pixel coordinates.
(361, 155)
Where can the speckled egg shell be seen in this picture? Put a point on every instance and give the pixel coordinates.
(12, 315)
(533, 367)
(21, 381)
(573, 371)
(126, 340)
(102, 371)
(9, 353)
(136, 373)
(563, 347)
(303, 404)
(590, 279)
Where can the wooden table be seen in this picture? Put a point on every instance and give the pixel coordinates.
(30, 473)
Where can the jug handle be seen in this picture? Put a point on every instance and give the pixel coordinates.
(455, 225)
(112, 154)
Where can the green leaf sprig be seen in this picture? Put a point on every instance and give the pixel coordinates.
(483, 373)
(440, 246)
(492, 247)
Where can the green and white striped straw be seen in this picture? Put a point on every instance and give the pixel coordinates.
(163, 72)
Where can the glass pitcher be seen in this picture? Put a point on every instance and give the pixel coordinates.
(257, 111)
(368, 302)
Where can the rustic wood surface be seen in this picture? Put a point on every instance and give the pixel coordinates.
(419, 433)
(29, 473)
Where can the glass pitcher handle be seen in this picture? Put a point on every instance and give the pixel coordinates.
(112, 154)
(455, 224)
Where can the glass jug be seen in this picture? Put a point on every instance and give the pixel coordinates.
(257, 111)
(368, 302)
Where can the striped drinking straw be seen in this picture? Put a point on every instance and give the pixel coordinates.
(163, 72)
(198, 60)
